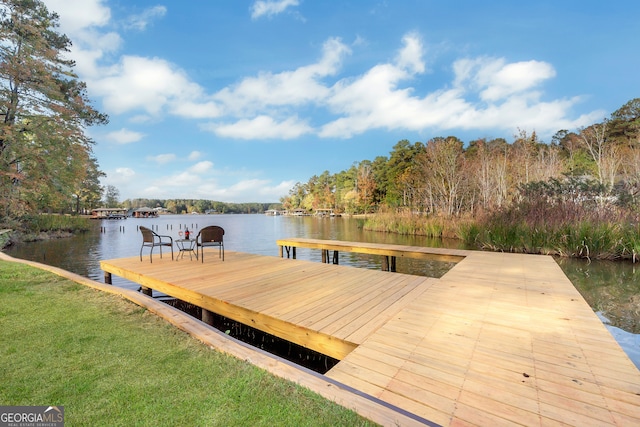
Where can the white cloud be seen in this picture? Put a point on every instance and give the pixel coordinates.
(125, 172)
(277, 191)
(246, 190)
(83, 22)
(183, 179)
(270, 7)
(194, 155)
(153, 191)
(120, 177)
(375, 100)
(196, 110)
(140, 22)
(509, 97)
(249, 184)
(78, 15)
(88, 49)
(124, 136)
(201, 167)
(495, 79)
(410, 56)
(484, 92)
(287, 89)
(140, 118)
(148, 84)
(200, 181)
(261, 127)
(163, 158)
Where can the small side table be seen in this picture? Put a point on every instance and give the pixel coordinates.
(186, 245)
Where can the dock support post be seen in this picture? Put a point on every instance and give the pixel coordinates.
(281, 252)
(146, 291)
(335, 257)
(107, 278)
(290, 250)
(207, 317)
(389, 263)
(325, 255)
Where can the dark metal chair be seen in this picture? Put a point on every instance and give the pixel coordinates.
(211, 235)
(151, 239)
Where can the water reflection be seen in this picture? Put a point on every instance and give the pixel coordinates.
(612, 288)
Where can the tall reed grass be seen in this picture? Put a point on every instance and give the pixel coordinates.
(582, 240)
(408, 223)
(562, 232)
(559, 230)
(55, 223)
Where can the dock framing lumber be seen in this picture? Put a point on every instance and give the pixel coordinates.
(325, 309)
(501, 339)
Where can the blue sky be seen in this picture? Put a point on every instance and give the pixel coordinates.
(236, 101)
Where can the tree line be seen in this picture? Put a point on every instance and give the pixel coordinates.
(201, 206)
(447, 177)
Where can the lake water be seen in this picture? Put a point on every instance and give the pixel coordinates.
(611, 288)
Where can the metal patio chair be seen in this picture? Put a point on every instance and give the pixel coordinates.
(211, 235)
(151, 239)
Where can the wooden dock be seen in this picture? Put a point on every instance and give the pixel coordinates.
(501, 339)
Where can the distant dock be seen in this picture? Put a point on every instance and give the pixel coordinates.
(501, 339)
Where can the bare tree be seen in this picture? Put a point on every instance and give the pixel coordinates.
(606, 155)
(441, 165)
(547, 163)
(490, 173)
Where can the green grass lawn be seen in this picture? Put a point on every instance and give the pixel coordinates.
(110, 362)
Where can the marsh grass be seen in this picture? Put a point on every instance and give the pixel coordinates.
(408, 223)
(570, 218)
(110, 362)
(66, 223)
(631, 242)
(567, 230)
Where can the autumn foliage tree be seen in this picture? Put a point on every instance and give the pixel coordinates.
(45, 155)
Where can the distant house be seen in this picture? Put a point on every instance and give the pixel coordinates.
(108, 213)
(299, 212)
(324, 212)
(145, 213)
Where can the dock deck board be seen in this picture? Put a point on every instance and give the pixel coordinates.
(501, 339)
